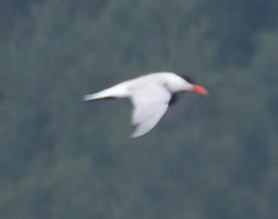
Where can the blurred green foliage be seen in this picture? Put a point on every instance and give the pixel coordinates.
(213, 157)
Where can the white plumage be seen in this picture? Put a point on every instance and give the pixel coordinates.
(150, 95)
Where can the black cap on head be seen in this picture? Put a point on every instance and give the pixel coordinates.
(188, 79)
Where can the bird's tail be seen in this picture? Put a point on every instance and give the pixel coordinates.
(117, 91)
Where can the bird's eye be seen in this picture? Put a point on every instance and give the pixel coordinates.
(188, 79)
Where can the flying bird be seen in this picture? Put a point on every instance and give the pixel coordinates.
(150, 95)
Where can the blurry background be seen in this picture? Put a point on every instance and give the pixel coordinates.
(209, 157)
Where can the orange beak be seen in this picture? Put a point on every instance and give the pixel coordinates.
(199, 89)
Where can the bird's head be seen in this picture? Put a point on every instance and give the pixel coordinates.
(193, 86)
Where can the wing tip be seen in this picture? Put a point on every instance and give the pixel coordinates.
(135, 135)
(137, 132)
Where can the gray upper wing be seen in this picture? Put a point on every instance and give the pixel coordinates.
(150, 102)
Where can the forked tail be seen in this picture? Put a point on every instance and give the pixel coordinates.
(117, 91)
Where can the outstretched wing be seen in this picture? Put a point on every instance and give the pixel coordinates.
(149, 105)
